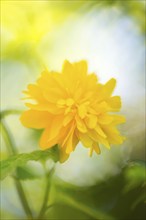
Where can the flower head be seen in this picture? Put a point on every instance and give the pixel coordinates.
(73, 106)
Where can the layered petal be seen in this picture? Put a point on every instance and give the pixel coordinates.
(73, 106)
(35, 119)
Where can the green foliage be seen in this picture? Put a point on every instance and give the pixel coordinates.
(9, 112)
(105, 200)
(26, 173)
(135, 176)
(9, 165)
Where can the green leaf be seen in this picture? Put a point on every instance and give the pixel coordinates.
(93, 212)
(65, 212)
(135, 175)
(9, 165)
(107, 198)
(26, 173)
(77, 198)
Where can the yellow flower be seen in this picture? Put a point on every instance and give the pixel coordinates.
(73, 106)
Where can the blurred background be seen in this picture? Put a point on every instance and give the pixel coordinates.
(110, 35)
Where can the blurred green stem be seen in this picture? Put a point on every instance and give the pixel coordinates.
(46, 195)
(23, 198)
(95, 214)
(8, 138)
(12, 151)
(9, 112)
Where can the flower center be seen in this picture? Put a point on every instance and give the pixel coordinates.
(71, 106)
(65, 102)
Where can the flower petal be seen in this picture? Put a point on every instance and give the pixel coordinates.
(80, 124)
(91, 121)
(109, 87)
(101, 107)
(50, 136)
(105, 119)
(35, 92)
(72, 106)
(113, 135)
(63, 155)
(86, 140)
(35, 119)
(81, 68)
(99, 130)
(45, 141)
(49, 107)
(115, 103)
(96, 148)
(67, 68)
(71, 143)
(99, 139)
(68, 118)
(82, 111)
(118, 119)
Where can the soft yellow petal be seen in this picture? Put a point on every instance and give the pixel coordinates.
(78, 94)
(104, 141)
(92, 81)
(96, 148)
(35, 92)
(99, 130)
(106, 90)
(45, 141)
(80, 124)
(74, 75)
(114, 103)
(50, 136)
(51, 80)
(51, 89)
(35, 119)
(91, 121)
(109, 87)
(92, 110)
(118, 119)
(101, 107)
(113, 135)
(99, 139)
(49, 107)
(44, 80)
(67, 68)
(55, 126)
(82, 111)
(69, 102)
(91, 151)
(81, 68)
(105, 118)
(68, 118)
(86, 140)
(63, 155)
(53, 94)
(71, 143)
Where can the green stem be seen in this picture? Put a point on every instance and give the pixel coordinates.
(22, 197)
(12, 151)
(46, 195)
(96, 214)
(8, 138)
(9, 112)
(50, 206)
